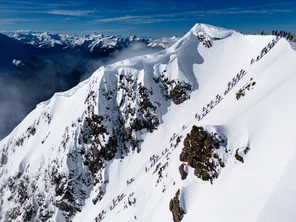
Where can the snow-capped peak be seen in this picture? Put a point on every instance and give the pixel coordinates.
(45, 40)
(169, 136)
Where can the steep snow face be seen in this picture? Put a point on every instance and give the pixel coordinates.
(111, 148)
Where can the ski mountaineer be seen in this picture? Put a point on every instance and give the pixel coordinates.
(226, 91)
(238, 76)
(234, 81)
(210, 43)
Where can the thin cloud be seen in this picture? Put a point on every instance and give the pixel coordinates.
(237, 11)
(9, 3)
(149, 21)
(186, 15)
(18, 2)
(122, 18)
(270, 5)
(143, 18)
(14, 20)
(71, 12)
(262, 11)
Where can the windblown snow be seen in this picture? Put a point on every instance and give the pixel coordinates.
(120, 146)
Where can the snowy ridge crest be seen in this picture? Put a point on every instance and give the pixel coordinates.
(144, 132)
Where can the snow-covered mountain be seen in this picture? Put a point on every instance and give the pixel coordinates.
(15, 53)
(93, 43)
(203, 130)
(35, 65)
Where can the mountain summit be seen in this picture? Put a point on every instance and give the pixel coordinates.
(202, 130)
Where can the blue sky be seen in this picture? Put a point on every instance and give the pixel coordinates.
(150, 18)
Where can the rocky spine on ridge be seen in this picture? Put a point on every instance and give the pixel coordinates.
(200, 152)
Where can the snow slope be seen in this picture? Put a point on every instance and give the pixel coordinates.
(44, 174)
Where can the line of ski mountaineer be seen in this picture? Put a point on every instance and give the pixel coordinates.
(214, 102)
(154, 159)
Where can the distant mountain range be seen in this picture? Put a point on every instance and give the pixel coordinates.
(95, 44)
(39, 64)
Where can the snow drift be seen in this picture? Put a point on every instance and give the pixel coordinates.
(113, 147)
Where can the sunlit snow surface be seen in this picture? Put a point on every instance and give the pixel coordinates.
(260, 189)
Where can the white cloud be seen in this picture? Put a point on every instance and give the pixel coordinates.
(14, 20)
(143, 19)
(122, 18)
(238, 11)
(71, 12)
(187, 15)
(157, 20)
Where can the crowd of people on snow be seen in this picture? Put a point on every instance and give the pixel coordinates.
(206, 109)
(115, 201)
(266, 49)
(243, 72)
(288, 35)
(206, 41)
(128, 182)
